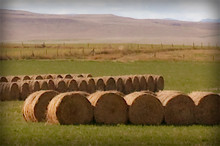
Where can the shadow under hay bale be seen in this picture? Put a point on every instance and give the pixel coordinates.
(35, 106)
(9, 91)
(109, 107)
(179, 108)
(207, 109)
(70, 108)
(144, 108)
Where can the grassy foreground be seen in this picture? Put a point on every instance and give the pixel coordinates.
(185, 76)
(15, 131)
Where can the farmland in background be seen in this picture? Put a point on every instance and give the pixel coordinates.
(120, 52)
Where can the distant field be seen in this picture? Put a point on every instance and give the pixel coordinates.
(120, 52)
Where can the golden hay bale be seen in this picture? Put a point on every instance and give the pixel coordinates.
(179, 108)
(13, 78)
(43, 85)
(37, 108)
(207, 109)
(143, 82)
(9, 91)
(25, 77)
(27, 102)
(34, 85)
(48, 76)
(57, 76)
(128, 86)
(72, 85)
(109, 107)
(135, 82)
(144, 108)
(51, 85)
(37, 77)
(150, 82)
(70, 108)
(3, 79)
(82, 84)
(159, 82)
(149, 92)
(67, 76)
(99, 83)
(24, 90)
(86, 75)
(91, 88)
(109, 83)
(61, 85)
(119, 83)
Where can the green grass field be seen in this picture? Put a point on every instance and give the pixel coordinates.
(185, 76)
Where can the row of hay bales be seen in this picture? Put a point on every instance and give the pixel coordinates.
(113, 107)
(41, 77)
(126, 84)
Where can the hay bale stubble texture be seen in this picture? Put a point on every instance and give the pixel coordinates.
(179, 108)
(82, 84)
(99, 83)
(109, 83)
(136, 83)
(207, 109)
(144, 108)
(91, 88)
(24, 90)
(159, 83)
(143, 82)
(3, 79)
(37, 104)
(70, 108)
(72, 85)
(150, 82)
(109, 107)
(61, 85)
(128, 85)
(9, 91)
(119, 83)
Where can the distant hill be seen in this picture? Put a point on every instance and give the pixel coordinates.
(211, 20)
(27, 26)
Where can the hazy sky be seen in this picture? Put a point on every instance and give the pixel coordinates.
(190, 10)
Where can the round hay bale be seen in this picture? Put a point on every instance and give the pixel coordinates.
(57, 76)
(43, 85)
(27, 102)
(159, 83)
(72, 85)
(24, 90)
(61, 85)
(143, 82)
(34, 85)
(70, 108)
(109, 107)
(86, 75)
(99, 83)
(48, 76)
(149, 92)
(51, 85)
(207, 109)
(38, 107)
(109, 83)
(128, 86)
(3, 79)
(179, 108)
(136, 83)
(91, 88)
(25, 77)
(13, 78)
(37, 77)
(119, 84)
(82, 84)
(9, 91)
(144, 108)
(67, 76)
(150, 82)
